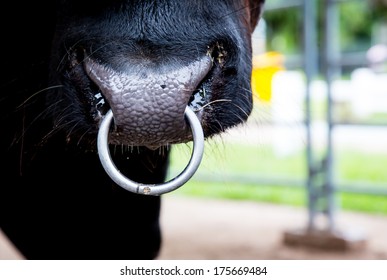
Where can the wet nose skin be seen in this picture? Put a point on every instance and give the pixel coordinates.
(134, 94)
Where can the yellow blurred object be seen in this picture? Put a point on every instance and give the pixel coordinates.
(264, 68)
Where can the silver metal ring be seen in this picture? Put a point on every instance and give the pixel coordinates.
(151, 189)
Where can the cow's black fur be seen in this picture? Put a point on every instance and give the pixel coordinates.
(56, 201)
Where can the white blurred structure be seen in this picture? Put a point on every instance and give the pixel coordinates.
(377, 57)
(288, 95)
(369, 92)
(364, 94)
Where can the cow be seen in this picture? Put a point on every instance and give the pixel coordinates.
(65, 64)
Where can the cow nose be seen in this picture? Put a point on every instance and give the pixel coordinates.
(148, 103)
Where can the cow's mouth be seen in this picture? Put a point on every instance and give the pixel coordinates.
(149, 107)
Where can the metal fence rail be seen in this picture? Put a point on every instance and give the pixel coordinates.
(320, 183)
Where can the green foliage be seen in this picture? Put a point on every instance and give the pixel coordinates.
(361, 166)
(283, 30)
(356, 22)
(380, 8)
(235, 160)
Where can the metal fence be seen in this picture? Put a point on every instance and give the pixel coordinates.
(321, 186)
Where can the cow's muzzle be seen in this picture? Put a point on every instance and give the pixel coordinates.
(149, 103)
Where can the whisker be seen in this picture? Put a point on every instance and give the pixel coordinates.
(242, 110)
(234, 12)
(212, 102)
(36, 93)
(37, 117)
(81, 137)
(68, 53)
(95, 50)
(72, 129)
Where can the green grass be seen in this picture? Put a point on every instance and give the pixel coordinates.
(236, 191)
(357, 166)
(242, 159)
(281, 195)
(222, 164)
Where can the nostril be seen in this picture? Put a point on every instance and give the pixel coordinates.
(100, 104)
(201, 96)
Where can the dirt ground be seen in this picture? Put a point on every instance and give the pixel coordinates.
(218, 229)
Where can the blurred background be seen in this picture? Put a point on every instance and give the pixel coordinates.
(317, 138)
